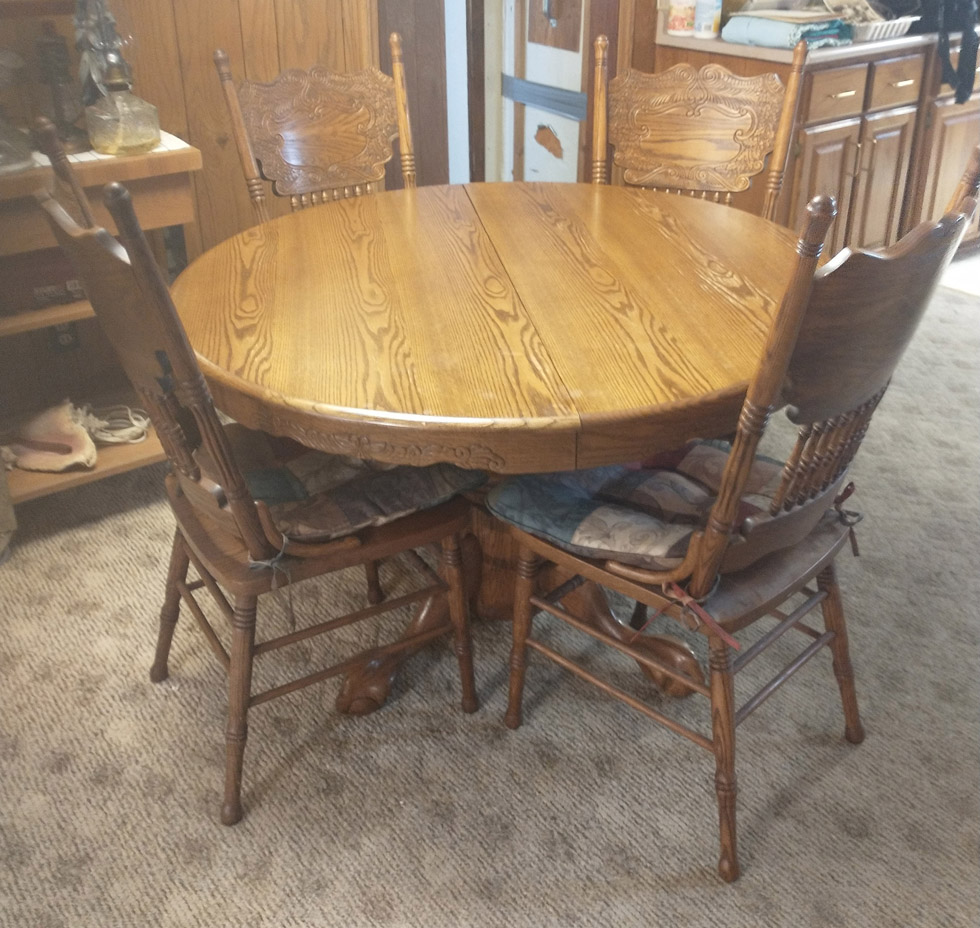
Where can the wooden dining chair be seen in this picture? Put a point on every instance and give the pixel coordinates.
(319, 135)
(704, 132)
(716, 537)
(255, 513)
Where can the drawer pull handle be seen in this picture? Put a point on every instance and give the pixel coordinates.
(906, 83)
(842, 94)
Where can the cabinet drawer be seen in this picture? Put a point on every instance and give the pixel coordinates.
(836, 92)
(896, 81)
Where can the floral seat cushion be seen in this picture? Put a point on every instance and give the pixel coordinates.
(315, 496)
(641, 514)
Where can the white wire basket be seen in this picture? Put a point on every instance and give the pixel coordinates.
(886, 29)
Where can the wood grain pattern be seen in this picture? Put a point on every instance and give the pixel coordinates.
(258, 23)
(527, 327)
(223, 206)
(361, 32)
(310, 33)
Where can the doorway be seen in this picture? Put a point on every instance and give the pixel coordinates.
(538, 83)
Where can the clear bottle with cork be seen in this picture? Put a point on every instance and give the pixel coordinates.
(120, 123)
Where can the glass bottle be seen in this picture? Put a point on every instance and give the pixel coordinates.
(120, 123)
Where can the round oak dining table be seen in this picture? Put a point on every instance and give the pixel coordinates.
(510, 327)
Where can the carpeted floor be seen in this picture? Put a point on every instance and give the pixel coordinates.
(421, 816)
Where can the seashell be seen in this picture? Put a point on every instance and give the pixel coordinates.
(53, 441)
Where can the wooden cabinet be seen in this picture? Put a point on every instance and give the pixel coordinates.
(826, 160)
(951, 132)
(885, 149)
(867, 167)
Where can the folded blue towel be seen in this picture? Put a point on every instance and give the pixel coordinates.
(774, 33)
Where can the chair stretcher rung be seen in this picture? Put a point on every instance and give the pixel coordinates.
(363, 657)
(777, 681)
(774, 634)
(617, 693)
(650, 662)
(349, 619)
(216, 646)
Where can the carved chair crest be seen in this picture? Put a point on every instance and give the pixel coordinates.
(704, 129)
(286, 121)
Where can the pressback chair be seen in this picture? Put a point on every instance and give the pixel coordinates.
(319, 135)
(704, 132)
(714, 536)
(255, 513)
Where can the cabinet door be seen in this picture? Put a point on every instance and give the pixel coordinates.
(827, 164)
(886, 147)
(954, 133)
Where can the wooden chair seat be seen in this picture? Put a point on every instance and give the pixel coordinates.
(715, 537)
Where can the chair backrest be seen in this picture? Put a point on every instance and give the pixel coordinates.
(132, 302)
(319, 135)
(834, 344)
(705, 132)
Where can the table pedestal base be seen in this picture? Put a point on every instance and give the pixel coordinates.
(489, 555)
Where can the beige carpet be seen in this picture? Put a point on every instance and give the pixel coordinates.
(421, 816)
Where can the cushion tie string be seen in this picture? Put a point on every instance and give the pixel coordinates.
(697, 613)
(275, 565)
(848, 517)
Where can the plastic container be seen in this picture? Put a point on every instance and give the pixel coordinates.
(707, 19)
(680, 19)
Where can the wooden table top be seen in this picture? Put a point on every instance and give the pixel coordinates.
(512, 327)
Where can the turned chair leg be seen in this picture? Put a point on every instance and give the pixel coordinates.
(452, 560)
(239, 693)
(374, 592)
(176, 574)
(527, 569)
(723, 739)
(833, 616)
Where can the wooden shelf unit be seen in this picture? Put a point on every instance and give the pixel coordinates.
(160, 184)
(32, 319)
(113, 459)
